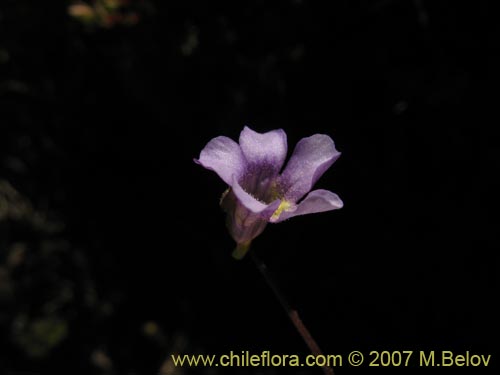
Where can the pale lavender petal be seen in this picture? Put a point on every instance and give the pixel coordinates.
(243, 224)
(264, 149)
(310, 159)
(254, 205)
(223, 156)
(316, 201)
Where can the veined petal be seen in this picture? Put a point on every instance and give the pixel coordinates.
(310, 159)
(252, 204)
(264, 149)
(316, 201)
(223, 156)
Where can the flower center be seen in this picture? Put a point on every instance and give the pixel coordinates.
(260, 182)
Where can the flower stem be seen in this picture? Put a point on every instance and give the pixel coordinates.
(241, 249)
(292, 314)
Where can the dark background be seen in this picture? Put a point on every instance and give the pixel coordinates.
(113, 249)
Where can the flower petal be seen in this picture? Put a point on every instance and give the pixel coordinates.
(252, 204)
(243, 224)
(223, 156)
(310, 159)
(316, 201)
(264, 149)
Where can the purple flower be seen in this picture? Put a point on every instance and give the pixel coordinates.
(258, 193)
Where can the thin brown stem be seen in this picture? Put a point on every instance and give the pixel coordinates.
(292, 314)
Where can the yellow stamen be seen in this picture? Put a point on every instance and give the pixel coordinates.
(284, 206)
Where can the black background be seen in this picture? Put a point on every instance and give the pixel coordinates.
(99, 126)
